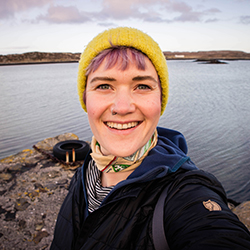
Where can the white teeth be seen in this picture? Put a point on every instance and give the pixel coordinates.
(122, 126)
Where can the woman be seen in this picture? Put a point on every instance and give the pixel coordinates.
(123, 86)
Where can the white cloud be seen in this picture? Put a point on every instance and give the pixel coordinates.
(62, 14)
(245, 19)
(10, 7)
(154, 11)
(108, 12)
(213, 20)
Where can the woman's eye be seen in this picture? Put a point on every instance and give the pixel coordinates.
(103, 86)
(143, 86)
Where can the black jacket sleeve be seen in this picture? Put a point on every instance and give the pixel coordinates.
(197, 215)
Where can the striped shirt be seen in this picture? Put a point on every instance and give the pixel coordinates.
(95, 191)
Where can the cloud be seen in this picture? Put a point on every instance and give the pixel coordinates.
(245, 19)
(10, 7)
(152, 11)
(189, 17)
(187, 12)
(109, 11)
(104, 24)
(212, 10)
(213, 20)
(180, 7)
(62, 14)
(145, 10)
(124, 10)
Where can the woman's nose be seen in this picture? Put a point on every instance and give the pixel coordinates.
(123, 103)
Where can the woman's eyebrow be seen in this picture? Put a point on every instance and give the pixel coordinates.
(142, 78)
(98, 78)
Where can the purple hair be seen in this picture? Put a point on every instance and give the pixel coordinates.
(120, 55)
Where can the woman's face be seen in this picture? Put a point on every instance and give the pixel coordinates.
(134, 95)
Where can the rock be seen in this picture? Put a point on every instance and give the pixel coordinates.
(210, 61)
(15, 168)
(243, 213)
(39, 225)
(25, 156)
(38, 237)
(32, 188)
(22, 224)
(21, 204)
(10, 216)
(49, 143)
(2, 210)
(50, 175)
(6, 176)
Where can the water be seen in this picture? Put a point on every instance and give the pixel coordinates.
(208, 103)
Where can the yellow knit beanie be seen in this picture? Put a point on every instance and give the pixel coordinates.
(129, 37)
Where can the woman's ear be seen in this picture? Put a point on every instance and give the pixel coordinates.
(84, 96)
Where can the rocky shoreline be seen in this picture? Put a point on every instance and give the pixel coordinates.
(44, 57)
(33, 187)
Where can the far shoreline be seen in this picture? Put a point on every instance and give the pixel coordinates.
(30, 58)
(169, 59)
(31, 63)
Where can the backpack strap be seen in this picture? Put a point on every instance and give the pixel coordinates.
(159, 237)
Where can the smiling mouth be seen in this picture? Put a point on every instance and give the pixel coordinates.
(120, 126)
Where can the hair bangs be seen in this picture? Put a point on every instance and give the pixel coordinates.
(118, 55)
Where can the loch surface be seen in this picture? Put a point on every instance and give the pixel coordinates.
(208, 103)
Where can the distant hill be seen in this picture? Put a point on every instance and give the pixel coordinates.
(38, 57)
(209, 55)
(44, 57)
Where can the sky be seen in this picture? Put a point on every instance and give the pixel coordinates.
(176, 25)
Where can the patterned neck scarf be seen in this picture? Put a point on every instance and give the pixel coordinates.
(110, 163)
